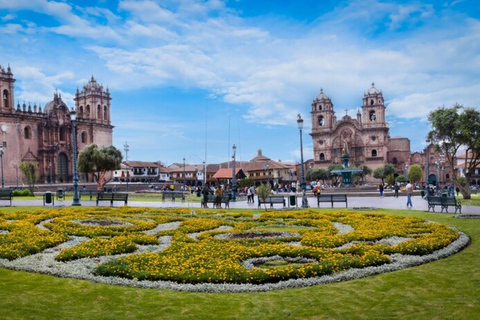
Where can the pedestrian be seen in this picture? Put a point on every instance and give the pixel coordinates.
(205, 193)
(218, 198)
(249, 195)
(380, 189)
(396, 188)
(457, 190)
(409, 191)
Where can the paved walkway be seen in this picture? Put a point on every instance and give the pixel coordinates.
(353, 202)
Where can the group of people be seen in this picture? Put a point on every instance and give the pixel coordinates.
(396, 188)
(217, 202)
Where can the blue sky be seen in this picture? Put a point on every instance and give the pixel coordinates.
(190, 78)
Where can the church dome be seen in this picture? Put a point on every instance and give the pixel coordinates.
(373, 90)
(55, 103)
(322, 96)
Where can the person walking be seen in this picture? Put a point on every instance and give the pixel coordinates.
(409, 191)
(380, 189)
(396, 188)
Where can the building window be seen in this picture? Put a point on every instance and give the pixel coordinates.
(99, 112)
(84, 137)
(321, 121)
(374, 153)
(80, 115)
(62, 134)
(372, 116)
(320, 107)
(87, 111)
(27, 133)
(322, 157)
(372, 102)
(105, 113)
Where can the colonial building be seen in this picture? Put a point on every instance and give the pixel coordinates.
(366, 137)
(44, 137)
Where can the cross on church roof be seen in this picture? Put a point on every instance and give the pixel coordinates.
(346, 112)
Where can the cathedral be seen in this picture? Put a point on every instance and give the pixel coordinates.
(366, 137)
(44, 137)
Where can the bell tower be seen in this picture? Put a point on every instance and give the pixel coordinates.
(323, 121)
(6, 91)
(373, 108)
(93, 102)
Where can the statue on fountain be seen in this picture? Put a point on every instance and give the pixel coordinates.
(345, 148)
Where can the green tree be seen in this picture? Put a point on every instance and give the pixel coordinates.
(379, 173)
(263, 191)
(400, 179)
(414, 173)
(454, 128)
(98, 161)
(246, 182)
(29, 170)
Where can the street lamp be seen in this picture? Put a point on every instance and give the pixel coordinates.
(204, 173)
(406, 172)
(126, 147)
(1, 160)
(234, 180)
(428, 161)
(304, 196)
(76, 200)
(436, 176)
(184, 174)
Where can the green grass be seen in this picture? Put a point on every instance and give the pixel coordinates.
(444, 289)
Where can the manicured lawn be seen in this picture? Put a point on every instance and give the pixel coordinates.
(444, 289)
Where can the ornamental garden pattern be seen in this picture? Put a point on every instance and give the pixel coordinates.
(217, 250)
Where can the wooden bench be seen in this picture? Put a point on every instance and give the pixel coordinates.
(332, 198)
(225, 200)
(434, 201)
(89, 193)
(6, 195)
(173, 195)
(272, 200)
(101, 196)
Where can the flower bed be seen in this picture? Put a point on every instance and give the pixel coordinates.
(216, 249)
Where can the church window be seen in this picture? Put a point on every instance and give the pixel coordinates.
(372, 116)
(320, 107)
(4, 144)
(99, 112)
(87, 111)
(80, 115)
(395, 161)
(62, 134)
(321, 121)
(320, 142)
(373, 138)
(379, 101)
(84, 137)
(5, 99)
(322, 157)
(27, 133)
(105, 113)
(447, 176)
(374, 153)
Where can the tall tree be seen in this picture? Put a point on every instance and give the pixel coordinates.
(414, 173)
(455, 128)
(29, 170)
(385, 171)
(98, 161)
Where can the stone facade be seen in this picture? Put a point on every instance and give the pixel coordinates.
(366, 138)
(44, 137)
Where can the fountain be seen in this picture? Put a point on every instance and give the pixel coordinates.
(346, 172)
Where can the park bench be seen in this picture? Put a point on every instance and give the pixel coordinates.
(89, 193)
(173, 195)
(451, 202)
(225, 200)
(6, 195)
(272, 200)
(444, 203)
(434, 201)
(331, 198)
(101, 196)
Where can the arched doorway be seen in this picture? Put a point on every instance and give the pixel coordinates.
(432, 179)
(62, 168)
